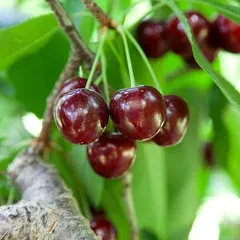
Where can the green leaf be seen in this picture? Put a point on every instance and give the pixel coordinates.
(183, 164)
(25, 38)
(112, 202)
(149, 186)
(93, 183)
(231, 120)
(228, 10)
(217, 105)
(33, 76)
(227, 88)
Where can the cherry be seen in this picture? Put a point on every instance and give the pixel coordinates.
(138, 112)
(81, 115)
(103, 227)
(176, 123)
(75, 83)
(111, 155)
(208, 154)
(177, 38)
(151, 37)
(226, 34)
(208, 51)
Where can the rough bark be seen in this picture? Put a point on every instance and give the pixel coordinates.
(47, 210)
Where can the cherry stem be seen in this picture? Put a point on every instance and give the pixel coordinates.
(96, 60)
(104, 74)
(144, 58)
(98, 80)
(128, 56)
(128, 197)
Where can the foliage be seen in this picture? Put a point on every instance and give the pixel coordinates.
(166, 181)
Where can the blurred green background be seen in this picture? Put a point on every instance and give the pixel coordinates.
(170, 185)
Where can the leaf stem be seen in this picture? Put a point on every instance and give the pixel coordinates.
(128, 197)
(144, 58)
(96, 60)
(128, 56)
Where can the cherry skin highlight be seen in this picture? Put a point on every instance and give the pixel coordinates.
(176, 123)
(111, 155)
(177, 38)
(103, 228)
(226, 34)
(75, 83)
(81, 115)
(138, 112)
(151, 37)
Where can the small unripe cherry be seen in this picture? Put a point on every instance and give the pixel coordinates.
(208, 154)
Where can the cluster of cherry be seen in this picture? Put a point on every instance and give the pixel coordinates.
(138, 113)
(156, 38)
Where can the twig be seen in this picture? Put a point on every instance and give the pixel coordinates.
(68, 27)
(69, 71)
(79, 54)
(99, 14)
(128, 197)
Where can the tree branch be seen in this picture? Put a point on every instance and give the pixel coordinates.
(68, 27)
(128, 197)
(99, 14)
(47, 209)
(69, 71)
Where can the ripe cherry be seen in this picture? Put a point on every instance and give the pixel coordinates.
(75, 83)
(138, 112)
(177, 38)
(151, 37)
(81, 115)
(111, 155)
(208, 51)
(226, 34)
(176, 123)
(103, 227)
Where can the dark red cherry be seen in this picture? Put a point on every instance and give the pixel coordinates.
(226, 34)
(138, 112)
(75, 83)
(81, 115)
(208, 51)
(176, 123)
(208, 154)
(103, 228)
(177, 38)
(111, 155)
(151, 37)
